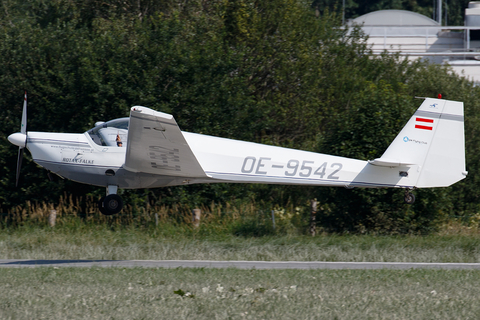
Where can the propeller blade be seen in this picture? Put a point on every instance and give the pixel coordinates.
(19, 164)
(23, 128)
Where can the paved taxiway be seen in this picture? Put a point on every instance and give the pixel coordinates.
(21, 263)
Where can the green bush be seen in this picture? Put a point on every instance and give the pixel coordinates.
(271, 72)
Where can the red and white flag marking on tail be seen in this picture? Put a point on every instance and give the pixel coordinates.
(423, 123)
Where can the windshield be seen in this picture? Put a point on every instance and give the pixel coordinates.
(113, 133)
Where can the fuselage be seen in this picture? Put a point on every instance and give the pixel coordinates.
(77, 157)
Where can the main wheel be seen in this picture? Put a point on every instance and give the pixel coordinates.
(111, 204)
(100, 205)
(409, 198)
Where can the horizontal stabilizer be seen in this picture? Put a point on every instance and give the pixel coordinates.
(388, 163)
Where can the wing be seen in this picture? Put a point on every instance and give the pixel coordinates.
(157, 146)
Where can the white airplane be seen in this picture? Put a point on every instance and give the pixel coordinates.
(148, 150)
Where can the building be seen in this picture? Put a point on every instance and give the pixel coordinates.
(416, 36)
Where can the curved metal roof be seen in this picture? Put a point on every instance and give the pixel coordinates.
(394, 18)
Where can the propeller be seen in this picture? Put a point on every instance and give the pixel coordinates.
(20, 139)
(19, 164)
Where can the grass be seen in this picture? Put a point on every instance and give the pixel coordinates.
(239, 232)
(101, 242)
(242, 234)
(142, 293)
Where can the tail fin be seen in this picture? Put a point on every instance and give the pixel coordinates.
(434, 140)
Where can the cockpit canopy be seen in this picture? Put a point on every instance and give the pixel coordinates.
(113, 133)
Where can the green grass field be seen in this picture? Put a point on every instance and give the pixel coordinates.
(101, 242)
(151, 293)
(142, 293)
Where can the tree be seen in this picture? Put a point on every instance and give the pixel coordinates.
(265, 71)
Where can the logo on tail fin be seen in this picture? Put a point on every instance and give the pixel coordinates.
(407, 139)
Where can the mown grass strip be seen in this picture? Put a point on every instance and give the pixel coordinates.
(129, 243)
(145, 293)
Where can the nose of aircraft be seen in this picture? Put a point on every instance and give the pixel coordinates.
(18, 139)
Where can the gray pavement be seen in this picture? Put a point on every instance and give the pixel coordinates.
(22, 263)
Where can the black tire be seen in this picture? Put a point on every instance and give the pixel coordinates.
(111, 204)
(100, 206)
(409, 198)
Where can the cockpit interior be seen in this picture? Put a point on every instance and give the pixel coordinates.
(113, 133)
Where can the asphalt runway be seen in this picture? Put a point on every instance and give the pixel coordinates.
(25, 263)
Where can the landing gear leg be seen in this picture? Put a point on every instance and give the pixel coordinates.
(112, 203)
(409, 197)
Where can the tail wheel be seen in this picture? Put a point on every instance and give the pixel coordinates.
(409, 198)
(111, 204)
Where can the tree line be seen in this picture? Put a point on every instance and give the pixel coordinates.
(273, 72)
